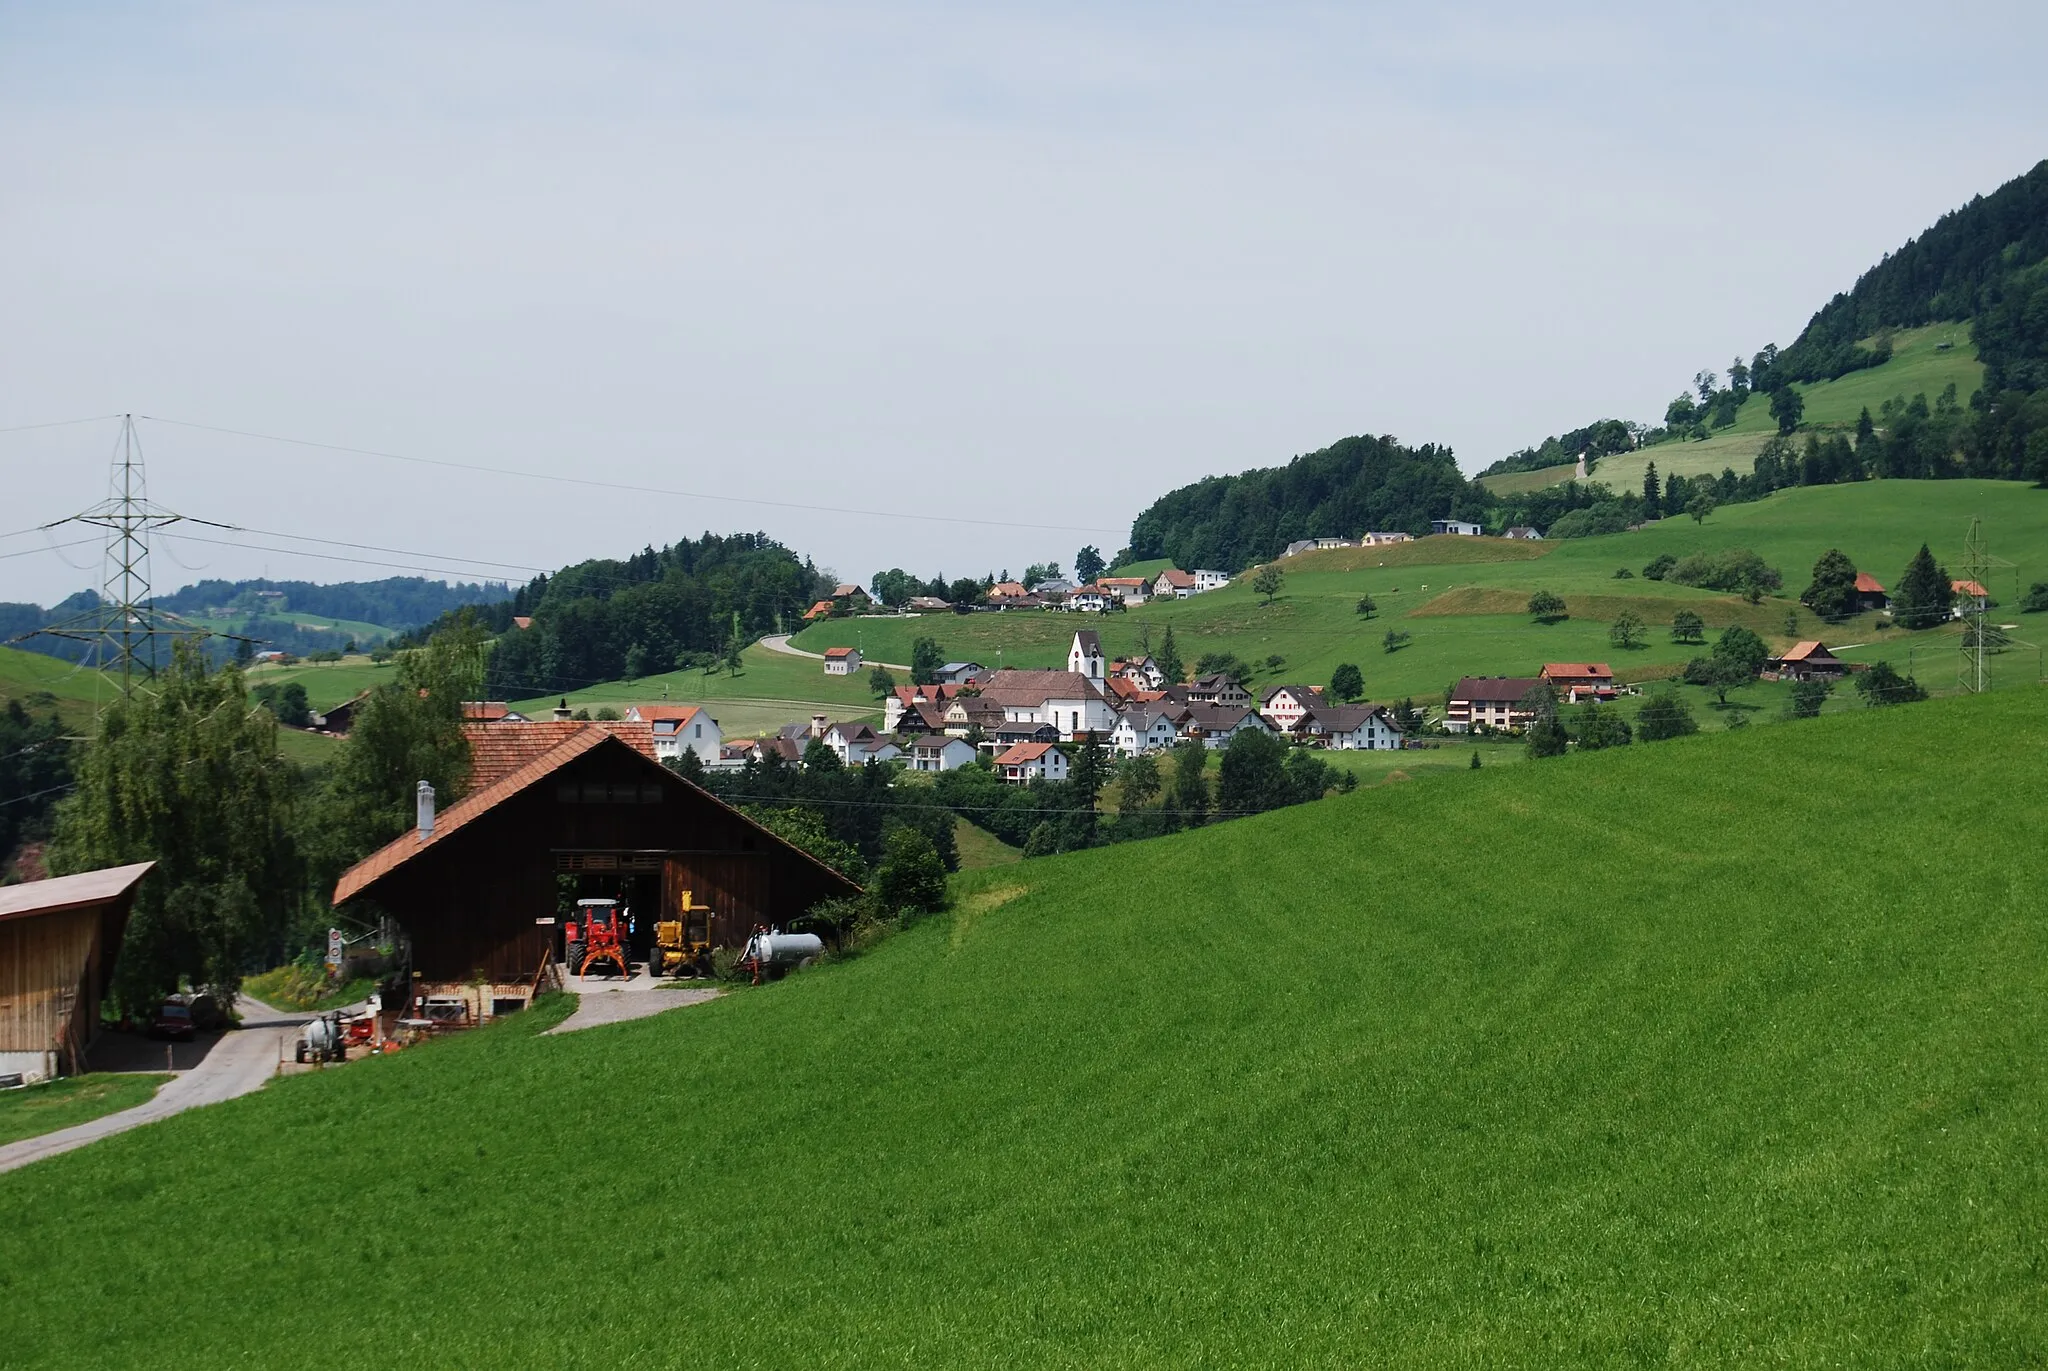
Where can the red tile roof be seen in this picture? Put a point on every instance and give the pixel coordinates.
(1814, 650)
(833, 653)
(498, 749)
(820, 610)
(522, 621)
(485, 710)
(1866, 584)
(1020, 753)
(1970, 588)
(680, 714)
(1179, 580)
(1577, 671)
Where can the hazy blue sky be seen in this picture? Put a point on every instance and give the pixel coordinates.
(1022, 264)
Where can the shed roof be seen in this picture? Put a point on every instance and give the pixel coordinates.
(498, 749)
(1810, 651)
(832, 652)
(61, 893)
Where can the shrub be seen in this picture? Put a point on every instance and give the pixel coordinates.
(1548, 606)
(1809, 696)
(2036, 600)
(1733, 569)
(1882, 685)
(912, 875)
(1688, 627)
(1659, 567)
(1622, 573)
(1665, 715)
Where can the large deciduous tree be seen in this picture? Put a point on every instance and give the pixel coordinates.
(1665, 715)
(1347, 682)
(1832, 595)
(926, 658)
(1253, 777)
(186, 774)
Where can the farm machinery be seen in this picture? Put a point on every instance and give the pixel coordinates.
(682, 945)
(596, 935)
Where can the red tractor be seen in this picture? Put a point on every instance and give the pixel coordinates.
(596, 934)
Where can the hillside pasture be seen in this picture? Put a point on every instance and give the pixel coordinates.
(1627, 1058)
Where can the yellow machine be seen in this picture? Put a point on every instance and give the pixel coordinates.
(682, 946)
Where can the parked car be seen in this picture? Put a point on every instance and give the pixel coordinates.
(173, 1019)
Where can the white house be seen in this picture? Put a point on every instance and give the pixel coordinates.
(1142, 729)
(937, 752)
(1216, 725)
(1210, 580)
(854, 744)
(1126, 590)
(1382, 539)
(842, 661)
(1173, 585)
(679, 729)
(1284, 705)
(1088, 600)
(1068, 700)
(1523, 533)
(1353, 728)
(1084, 655)
(1460, 527)
(1141, 670)
(960, 673)
(1030, 761)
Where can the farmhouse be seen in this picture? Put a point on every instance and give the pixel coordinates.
(1143, 671)
(1382, 539)
(906, 699)
(1581, 680)
(341, 718)
(851, 596)
(1171, 584)
(1125, 590)
(1218, 689)
(1523, 533)
(1088, 600)
(1284, 705)
(1026, 762)
(1808, 661)
(842, 661)
(1869, 594)
(679, 729)
(58, 941)
(1216, 725)
(1007, 590)
(856, 744)
(1488, 702)
(821, 610)
(1351, 728)
(962, 673)
(924, 604)
(479, 887)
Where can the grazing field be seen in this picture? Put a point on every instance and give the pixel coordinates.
(29, 676)
(327, 683)
(979, 849)
(773, 688)
(51, 1105)
(1637, 1057)
(1464, 600)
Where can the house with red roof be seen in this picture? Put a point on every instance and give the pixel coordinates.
(681, 728)
(842, 661)
(1027, 762)
(1869, 594)
(1807, 661)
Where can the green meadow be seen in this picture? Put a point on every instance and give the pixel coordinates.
(772, 688)
(1729, 1051)
(52, 1105)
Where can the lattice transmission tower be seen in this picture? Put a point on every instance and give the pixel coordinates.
(1981, 638)
(128, 638)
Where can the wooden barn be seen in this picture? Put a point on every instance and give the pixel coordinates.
(58, 940)
(559, 811)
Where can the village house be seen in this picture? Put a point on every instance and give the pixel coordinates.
(823, 609)
(1124, 692)
(1489, 702)
(1382, 539)
(1145, 728)
(1171, 584)
(842, 661)
(1027, 762)
(679, 729)
(1578, 681)
(1142, 670)
(906, 698)
(851, 597)
(1965, 591)
(1004, 734)
(1007, 590)
(1068, 700)
(853, 744)
(924, 604)
(963, 674)
(1125, 590)
(1216, 725)
(1207, 579)
(1218, 689)
(1054, 587)
(1524, 533)
(937, 752)
(1351, 728)
(1284, 705)
(1461, 528)
(1808, 661)
(1089, 600)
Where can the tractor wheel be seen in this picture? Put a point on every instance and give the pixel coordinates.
(575, 956)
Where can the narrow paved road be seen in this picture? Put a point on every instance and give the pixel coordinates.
(239, 1063)
(779, 642)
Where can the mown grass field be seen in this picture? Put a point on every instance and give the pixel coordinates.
(1731, 1051)
(773, 688)
(51, 1105)
(1918, 366)
(28, 676)
(1464, 600)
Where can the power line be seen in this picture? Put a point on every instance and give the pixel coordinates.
(30, 552)
(633, 489)
(335, 557)
(60, 423)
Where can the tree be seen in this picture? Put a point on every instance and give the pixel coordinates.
(1168, 659)
(926, 658)
(1924, 593)
(1688, 627)
(1738, 378)
(1659, 567)
(912, 874)
(1223, 664)
(1475, 759)
(1088, 565)
(1627, 630)
(1253, 777)
(893, 587)
(1548, 607)
(881, 683)
(636, 662)
(819, 756)
(1190, 785)
(1598, 727)
(1788, 407)
(1367, 606)
(1665, 715)
(1832, 595)
(187, 775)
(1084, 785)
(1395, 640)
(1719, 674)
(1347, 682)
(1544, 735)
(1681, 414)
(1705, 382)
(1882, 685)
(1268, 581)
(287, 701)
(1700, 506)
(1738, 644)
(1041, 571)
(35, 767)
(1650, 489)
(1809, 696)
(1137, 782)
(2036, 598)
(1308, 775)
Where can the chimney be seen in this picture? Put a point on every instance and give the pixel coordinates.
(562, 711)
(817, 725)
(425, 805)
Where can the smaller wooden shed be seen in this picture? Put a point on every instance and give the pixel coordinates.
(58, 940)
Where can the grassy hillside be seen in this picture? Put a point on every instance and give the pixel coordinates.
(1463, 599)
(28, 676)
(1671, 1065)
(1918, 365)
(772, 689)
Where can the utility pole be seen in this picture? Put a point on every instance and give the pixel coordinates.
(125, 633)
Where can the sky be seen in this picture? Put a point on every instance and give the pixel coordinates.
(950, 287)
